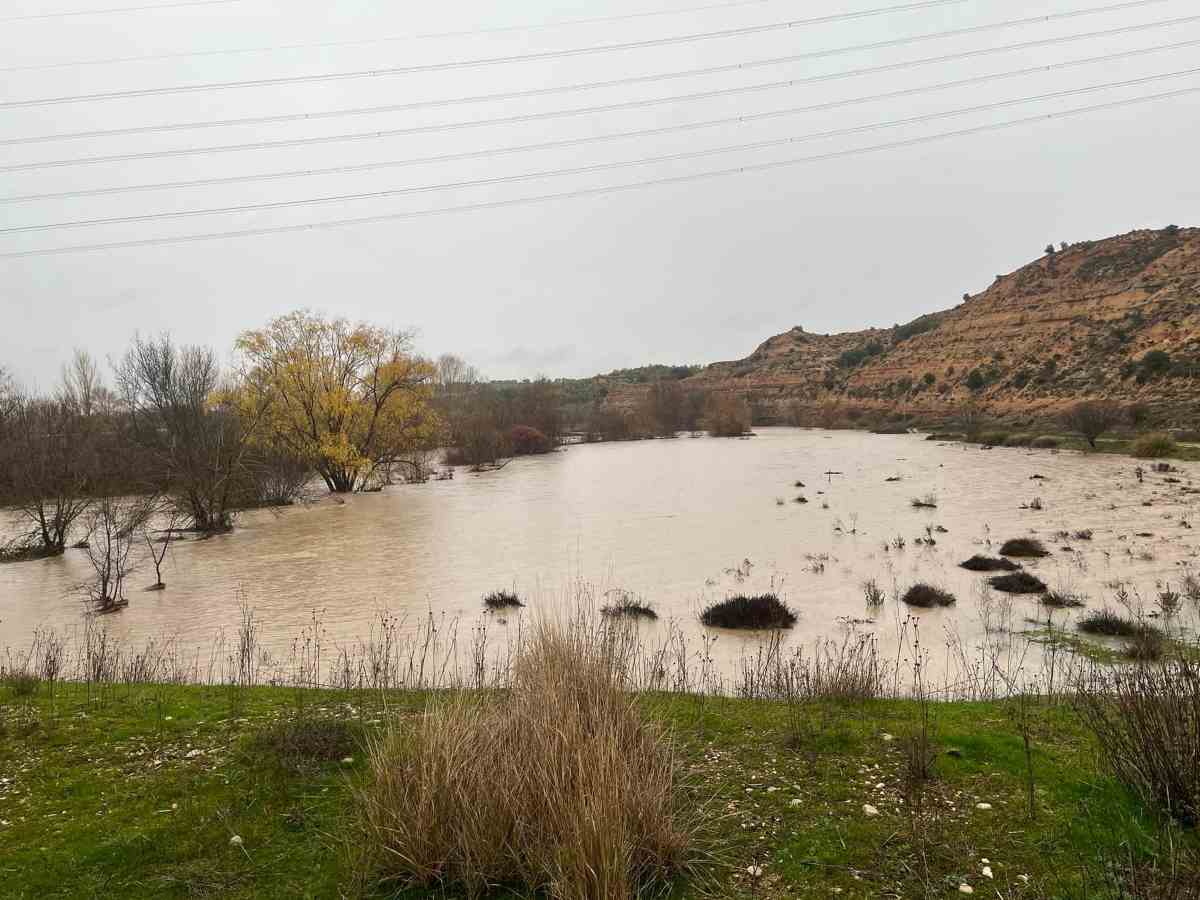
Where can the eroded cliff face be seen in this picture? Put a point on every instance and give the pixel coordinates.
(1075, 324)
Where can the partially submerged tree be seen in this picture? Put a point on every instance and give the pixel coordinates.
(196, 429)
(1092, 418)
(50, 463)
(727, 416)
(351, 399)
(113, 525)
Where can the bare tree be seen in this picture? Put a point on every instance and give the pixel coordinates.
(158, 551)
(81, 384)
(1092, 418)
(112, 526)
(48, 453)
(197, 435)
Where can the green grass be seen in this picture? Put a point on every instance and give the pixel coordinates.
(100, 798)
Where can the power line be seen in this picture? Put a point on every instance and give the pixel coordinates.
(598, 167)
(616, 82)
(555, 54)
(523, 118)
(561, 144)
(119, 9)
(592, 192)
(592, 20)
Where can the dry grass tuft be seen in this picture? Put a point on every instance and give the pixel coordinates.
(556, 785)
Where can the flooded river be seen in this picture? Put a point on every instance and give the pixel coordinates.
(679, 523)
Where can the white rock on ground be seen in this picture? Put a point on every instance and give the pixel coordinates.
(869, 810)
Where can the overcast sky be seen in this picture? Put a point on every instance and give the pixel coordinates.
(694, 271)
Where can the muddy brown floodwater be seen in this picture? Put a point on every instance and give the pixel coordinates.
(672, 521)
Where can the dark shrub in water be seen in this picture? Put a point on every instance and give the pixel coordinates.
(928, 596)
(1023, 547)
(501, 600)
(1109, 623)
(527, 441)
(762, 611)
(1062, 600)
(1018, 583)
(979, 563)
(631, 606)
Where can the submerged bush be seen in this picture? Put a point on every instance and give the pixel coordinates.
(1107, 622)
(1154, 446)
(555, 787)
(979, 563)
(1018, 583)
(1024, 547)
(761, 611)
(927, 596)
(526, 441)
(630, 606)
(1062, 600)
(501, 600)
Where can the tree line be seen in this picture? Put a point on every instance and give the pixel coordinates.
(166, 440)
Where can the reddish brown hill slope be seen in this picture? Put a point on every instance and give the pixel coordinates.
(1074, 324)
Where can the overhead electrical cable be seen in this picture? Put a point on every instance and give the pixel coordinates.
(598, 167)
(573, 142)
(617, 82)
(119, 9)
(596, 191)
(552, 54)
(501, 29)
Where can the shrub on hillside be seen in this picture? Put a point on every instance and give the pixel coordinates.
(527, 441)
(758, 612)
(1154, 446)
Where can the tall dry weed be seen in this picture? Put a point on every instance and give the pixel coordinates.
(556, 784)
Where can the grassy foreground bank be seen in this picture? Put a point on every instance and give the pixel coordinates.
(191, 791)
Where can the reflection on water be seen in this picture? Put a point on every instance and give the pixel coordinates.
(673, 521)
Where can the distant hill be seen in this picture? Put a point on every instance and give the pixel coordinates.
(1116, 318)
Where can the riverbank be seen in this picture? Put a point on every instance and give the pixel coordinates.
(182, 791)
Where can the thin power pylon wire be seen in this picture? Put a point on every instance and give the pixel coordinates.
(590, 139)
(694, 37)
(598, 85)
(436, 35)
(30, 17)
(599, 167)
(597, 191)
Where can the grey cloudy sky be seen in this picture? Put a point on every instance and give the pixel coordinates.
(693, 271)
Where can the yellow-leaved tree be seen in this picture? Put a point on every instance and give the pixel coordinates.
(352, 399)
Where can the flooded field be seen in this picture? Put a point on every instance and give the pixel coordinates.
(679, 523)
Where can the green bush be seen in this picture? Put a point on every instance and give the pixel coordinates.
(1155, 445)
(1019, 440)
(994, 438)
(1045, 442)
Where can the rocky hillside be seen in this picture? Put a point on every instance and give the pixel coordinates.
(1117, 318)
